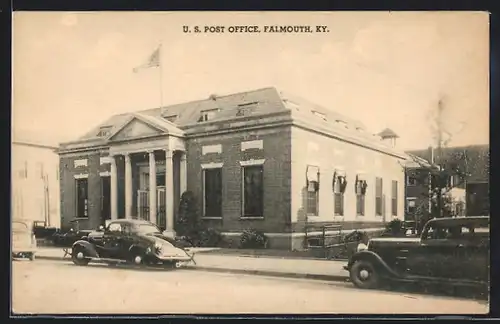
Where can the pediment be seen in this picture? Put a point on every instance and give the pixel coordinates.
(136, 129)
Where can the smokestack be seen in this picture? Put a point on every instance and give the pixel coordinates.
(431, 154)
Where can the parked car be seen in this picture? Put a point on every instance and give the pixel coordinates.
(42, 231)
(449, 250)
(23, 239)
(129, 241)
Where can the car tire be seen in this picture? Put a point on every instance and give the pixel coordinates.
(364, 275)
(31, 257)
(78, 257)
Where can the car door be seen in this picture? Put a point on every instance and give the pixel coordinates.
(476, 254)
(436, 257)
(126, 241)
(111, 242)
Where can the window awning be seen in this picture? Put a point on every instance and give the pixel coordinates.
(361, 176)
(312, 173)
(339, 173)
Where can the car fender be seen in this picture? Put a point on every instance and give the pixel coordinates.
(89, 248)
(137, 247)
(375, 259)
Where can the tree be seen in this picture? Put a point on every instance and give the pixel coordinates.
(188, 219)
(440, 173)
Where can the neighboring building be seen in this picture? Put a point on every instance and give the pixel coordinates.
(35, 179)
(417, 195)
(469, 196)
(259, 159)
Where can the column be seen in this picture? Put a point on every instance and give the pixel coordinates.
(183, 173)
(128, 187)
(114, 189)
(152, 187)
(169, 191)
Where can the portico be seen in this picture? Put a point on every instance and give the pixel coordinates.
(154, 171)
(143, 163)
(150, 188)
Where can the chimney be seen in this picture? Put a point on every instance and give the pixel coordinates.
(431, 154)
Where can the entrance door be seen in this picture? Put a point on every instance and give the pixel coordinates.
(105, 199)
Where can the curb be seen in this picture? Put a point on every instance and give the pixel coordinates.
(266, 273)
(273, 273)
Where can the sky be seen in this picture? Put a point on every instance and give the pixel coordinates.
(71, 71)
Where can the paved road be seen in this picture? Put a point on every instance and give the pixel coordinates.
(60, 287)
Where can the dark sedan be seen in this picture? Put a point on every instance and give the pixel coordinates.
(129, 241)
(450, 250)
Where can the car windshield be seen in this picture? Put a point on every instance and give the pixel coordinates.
(147, 229)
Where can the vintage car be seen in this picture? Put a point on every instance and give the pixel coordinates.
(23, 239)
(449, 250)
(129, 241)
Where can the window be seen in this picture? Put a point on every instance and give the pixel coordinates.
(411, 205)
(246, 108)
(360, 190)
(320, 115)
(378, 196)
(104, 131)
(469, 232)
(82, 198)
(207, 115)
(394, 198)
(253, 191)
(339, 185)
(171, 118)
(212, 192)
(312, 190)
(411, 180)
(115, 227)
(342, 123)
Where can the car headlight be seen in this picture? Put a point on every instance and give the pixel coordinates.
(361, 247)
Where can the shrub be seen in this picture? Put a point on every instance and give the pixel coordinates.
(253, 239)
(209, 237)
(395, 228)
(188, 217)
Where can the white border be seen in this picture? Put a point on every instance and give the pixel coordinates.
(252, 162)
(81, 176)
(256, 144)
(206, 149)
(213, 165)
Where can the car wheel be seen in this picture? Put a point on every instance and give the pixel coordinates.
(31, 257)
(78, 257)
(137, 258)
(364, 275)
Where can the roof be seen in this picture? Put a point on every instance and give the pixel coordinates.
(474, 158)
(461, 220)
(35, 138)
(388, 133)
(185, 117)
(414, 161)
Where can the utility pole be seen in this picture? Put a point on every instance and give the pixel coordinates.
(439, 156)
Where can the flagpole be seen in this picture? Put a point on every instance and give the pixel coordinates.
(161, 72)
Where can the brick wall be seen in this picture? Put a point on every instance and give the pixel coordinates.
(276, 152)
(68, 189)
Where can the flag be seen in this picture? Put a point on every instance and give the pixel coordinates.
(153, 61)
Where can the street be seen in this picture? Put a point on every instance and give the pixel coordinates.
(61, 287)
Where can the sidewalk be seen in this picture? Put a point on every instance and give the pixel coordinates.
(266, 266)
